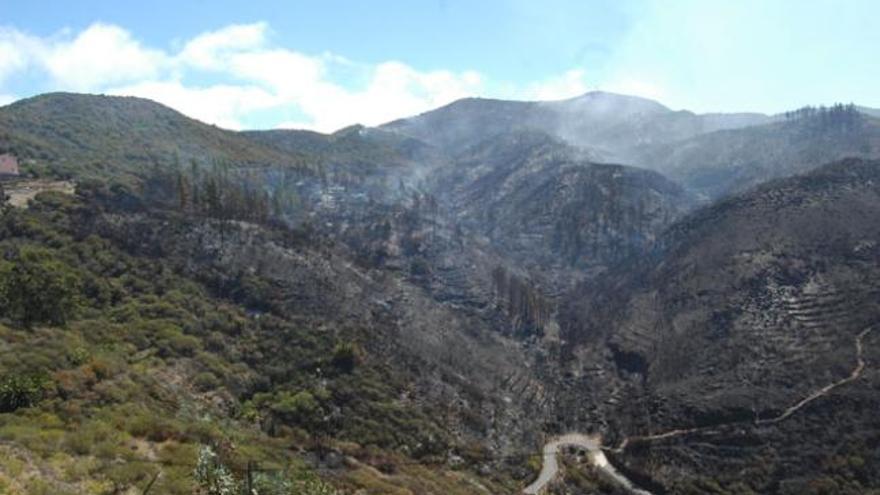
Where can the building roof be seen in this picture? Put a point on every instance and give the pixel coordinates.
(8, 164)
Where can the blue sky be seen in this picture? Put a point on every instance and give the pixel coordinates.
(326, 64)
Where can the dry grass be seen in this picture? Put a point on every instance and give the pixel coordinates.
(21, 192)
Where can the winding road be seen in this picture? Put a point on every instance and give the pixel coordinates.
(593, 443)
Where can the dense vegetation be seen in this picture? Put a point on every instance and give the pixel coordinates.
(121, 358)
(97, 346)
(69, 135)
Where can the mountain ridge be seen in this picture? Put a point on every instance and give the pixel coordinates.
(600, 120)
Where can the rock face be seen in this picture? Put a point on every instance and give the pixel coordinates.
(746, 307)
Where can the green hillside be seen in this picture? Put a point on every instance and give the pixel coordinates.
(65, 134)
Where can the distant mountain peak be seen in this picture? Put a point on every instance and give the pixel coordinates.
(599, 94)
(608, 123)
(604, 101)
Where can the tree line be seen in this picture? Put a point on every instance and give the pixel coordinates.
(220, 191)
(836, 117)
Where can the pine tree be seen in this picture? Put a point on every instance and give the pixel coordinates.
(183, 191)
(212, 197)
(194, 180)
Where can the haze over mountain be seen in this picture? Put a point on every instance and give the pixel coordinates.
(721, 162)
(419, 307)
(547, 205)
(711, 154)
(608, 123)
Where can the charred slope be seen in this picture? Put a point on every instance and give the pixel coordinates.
(466, 122)
(750, 305)
(615, 123)
(441, 353)
(545, 205)
(735, 160)
(365, 162)
(356, 149)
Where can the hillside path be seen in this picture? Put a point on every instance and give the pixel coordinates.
(855, 374)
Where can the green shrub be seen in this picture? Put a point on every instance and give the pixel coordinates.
(77, 356)
(147, 425)
(36, 287)
(346, 356)
(96, 438)
(128, 474)
(179, 454)
(17, 391)
(206, 381)
(301, 408)
(178, 344)
(36, 486)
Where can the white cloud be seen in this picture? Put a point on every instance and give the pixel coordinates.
(14, 47)
(101, 55)
(574, 83)
(222, 105)
(286, 72)
(209, 50)
(636, 87)
(394, 90)
(266, 77)
(242, 76)
(309, 84)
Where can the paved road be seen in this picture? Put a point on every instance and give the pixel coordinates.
(593, 445)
